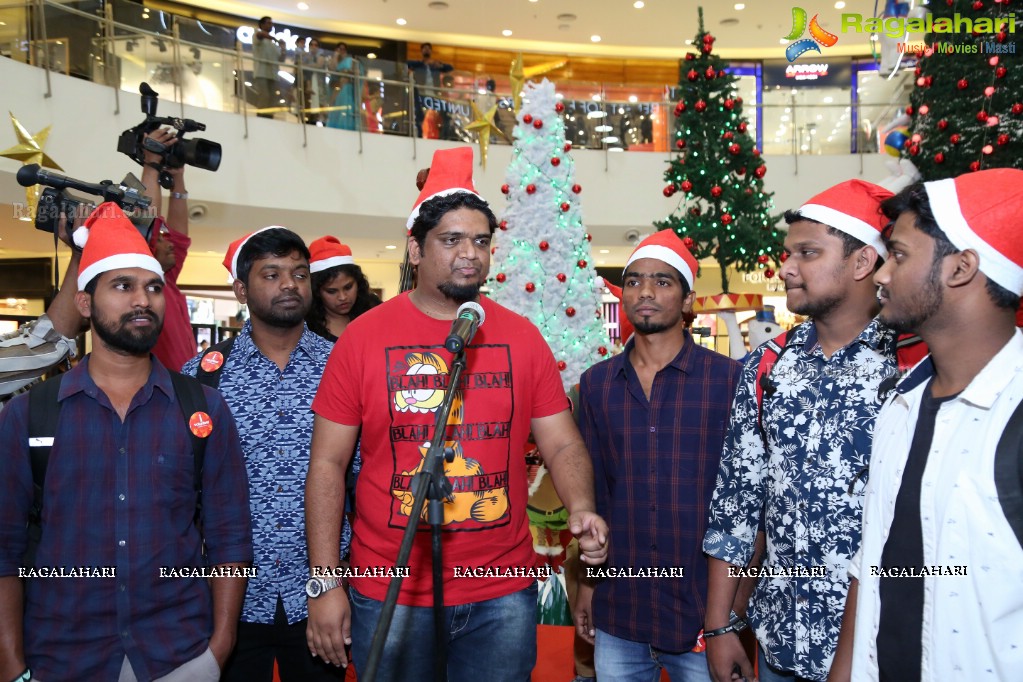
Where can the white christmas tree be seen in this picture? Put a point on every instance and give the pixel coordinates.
(543, 266)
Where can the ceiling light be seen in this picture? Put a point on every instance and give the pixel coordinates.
(828, 100)
(639, 4)
(371, 55)
(605, 251)
(390, 247)
(400, 21)
(633, 99)
(534, 0)
(596, 114)
(595, 98)
(595, 39)
(506, 32)
(783, 41)
(302, 6)
(608, 140)
(615, 149)
(603, 129)
(739, 6)
(839, 5)
(216, 65)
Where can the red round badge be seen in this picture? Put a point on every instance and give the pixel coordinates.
(200, 423)
(212, 361)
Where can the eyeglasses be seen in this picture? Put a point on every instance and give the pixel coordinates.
(860, 478)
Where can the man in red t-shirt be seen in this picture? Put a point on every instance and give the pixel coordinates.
(169, 242)
(387, 376)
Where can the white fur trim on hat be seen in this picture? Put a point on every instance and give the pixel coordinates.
(119, 261)
(332, 262)
(663, 253)
(949, 216)
(237, 252)
(442, 193)
(851, 225)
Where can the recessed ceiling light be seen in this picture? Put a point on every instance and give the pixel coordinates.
(390, 247)
(595, 38)
(506, 32)
(609, 139)
(437, 4)
(400, 21)
(602, 129)
(739, 6)
(730, 21)
(302, 6)
(839, 5)
(534, 0)
(633, 99)
(567, 17)
(783, 41)
(216, 65)
(639, 4)
(689, 42)
(371, 55)
(605, 251)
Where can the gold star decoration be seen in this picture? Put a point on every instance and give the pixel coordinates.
(30, 150)
(520, 74)
(484, 124)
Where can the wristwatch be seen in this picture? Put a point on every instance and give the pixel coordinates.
(317, 586)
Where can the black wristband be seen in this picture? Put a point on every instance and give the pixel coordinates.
(735, 624)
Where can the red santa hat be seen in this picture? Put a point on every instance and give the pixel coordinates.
(665, 245)
(110, 241)
(625, 328)
(328, 252)
(854, 207)
(982, 211)
(450, 172)
(231, 259)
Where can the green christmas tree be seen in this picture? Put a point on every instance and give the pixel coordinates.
(724, 212)
(543, 265)
(967, 108)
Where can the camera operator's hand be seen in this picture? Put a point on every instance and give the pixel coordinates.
(165, 136)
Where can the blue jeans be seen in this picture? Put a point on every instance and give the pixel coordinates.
(765, 673)
(493, 640)
(623, 660)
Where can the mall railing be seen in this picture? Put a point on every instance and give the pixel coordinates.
(121, 44)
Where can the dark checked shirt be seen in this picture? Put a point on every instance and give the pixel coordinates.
(654, 463)
(122, 496)
(275, 421)
(819, 426)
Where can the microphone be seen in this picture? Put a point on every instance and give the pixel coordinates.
(470, 317)
(32, 174)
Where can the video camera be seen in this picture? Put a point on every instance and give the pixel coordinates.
(194, 152)
(55, 199)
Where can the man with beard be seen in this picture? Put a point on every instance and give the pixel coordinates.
(269, 377)
(388, 375)
(654, 420)
(119, 514)
(795, 458)
(942, 550)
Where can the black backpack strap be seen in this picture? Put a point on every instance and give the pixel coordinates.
(191, 399)
(43, 412)
(1009, 472)
(212, 378)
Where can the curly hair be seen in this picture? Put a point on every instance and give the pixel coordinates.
(364, 296)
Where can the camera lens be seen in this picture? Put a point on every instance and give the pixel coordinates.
(201, 153)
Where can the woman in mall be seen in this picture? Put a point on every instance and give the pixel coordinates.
(343, 116)
(340, 291)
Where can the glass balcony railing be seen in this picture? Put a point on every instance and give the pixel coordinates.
(121, 44)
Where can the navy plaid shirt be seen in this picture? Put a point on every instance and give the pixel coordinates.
(654, 466)
(121, 495)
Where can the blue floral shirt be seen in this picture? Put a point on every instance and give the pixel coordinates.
(819, 424)
(275, 423)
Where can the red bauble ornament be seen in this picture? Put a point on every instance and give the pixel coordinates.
(602, 351)
(528, 118)
(668, 191)
(962, 84)
(729, 104)
(706, 48)
(728, 135)
(589, 237)
(748, 191)
(688, 242)
(562, 365)
(768, 273)
(710, 73)
(1000, 72)
(929, 81)
(555, 161)
(505, 189)
(756, 152)
(544, 245)
(686, 186)
(1001, 37)
(1003, 139)
(503, 224)
(1017, 108)
(690, 56)
(762, 259)
(939, 158)
(909, 110)
(760, 171)
(562, 277)
(987, 149)
(975, 166)
(734, 149)
(701, 106)
(568, 147)
(570, 311)
(988, 91)
(981, 117)
(581, 263)
(530, 287)
(920, 82)
(743, 127)
(942, 124)
(680, 143)
(565, 206)
(954, 138)
(715, 191)
(538, 123)
(692, 75)
(721, 73)
(978, 5)
(993, 61)
(741, 171)
(917, 71)
(726, 218)
(577, 188)
(530, 188)
(559, 107)
(924, 109)
(500, 277)
(679, 108)
(913, 149)
(695, 210)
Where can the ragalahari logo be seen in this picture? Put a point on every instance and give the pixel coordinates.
(817, 35)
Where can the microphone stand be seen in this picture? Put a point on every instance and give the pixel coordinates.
(429, 484)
